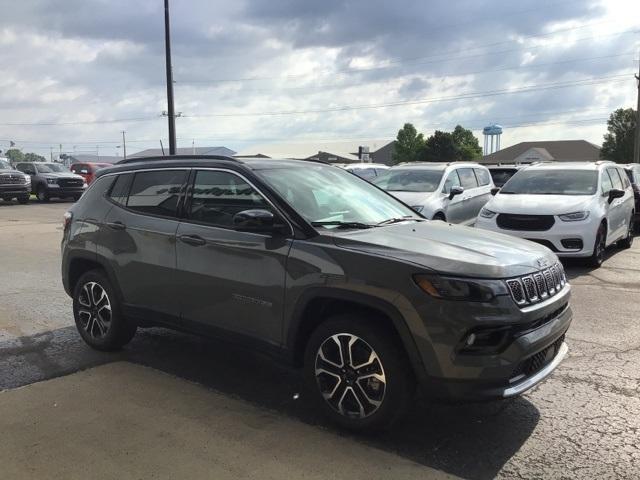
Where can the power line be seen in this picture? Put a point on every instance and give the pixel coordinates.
(469, 95)
(393, 63)
(86, 122)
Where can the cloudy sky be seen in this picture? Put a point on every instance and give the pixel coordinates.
(78, 72)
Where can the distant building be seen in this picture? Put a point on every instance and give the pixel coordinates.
(157, 152)
(332, 152)
(549, 151)
(70, 159)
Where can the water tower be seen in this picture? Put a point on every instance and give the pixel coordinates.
(492, 138)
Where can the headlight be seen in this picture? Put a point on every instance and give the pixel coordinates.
(450, 288)
(417, 208)
(574, 216)
(52, 181)
(84, 185)
(27, 178)
(486, 213)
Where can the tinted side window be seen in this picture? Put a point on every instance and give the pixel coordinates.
(156, 193)
(467, 178)
(453, 180)
(606, 182)
(615, 178)
(120, 190)
(218, 196)
(483, 176)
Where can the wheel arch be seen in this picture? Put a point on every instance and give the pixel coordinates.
(318, 304)
(82, 262)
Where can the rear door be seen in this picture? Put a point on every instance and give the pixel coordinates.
(485, 184)
(229, 280)
(140, 239)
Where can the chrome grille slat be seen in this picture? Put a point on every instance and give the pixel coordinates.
(536, 287)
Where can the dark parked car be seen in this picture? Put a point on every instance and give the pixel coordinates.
(318, 267)
(53, 180)
(13, 183)
(500, 174)
(633, 172)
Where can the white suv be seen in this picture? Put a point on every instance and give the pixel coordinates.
(454, 192)
(575, 209)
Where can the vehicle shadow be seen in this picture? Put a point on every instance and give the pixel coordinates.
(472, 441)
(575, 267)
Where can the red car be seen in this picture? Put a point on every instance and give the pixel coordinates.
(88, 170)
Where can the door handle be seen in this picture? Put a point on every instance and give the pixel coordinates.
(116, 225)
(193, 240)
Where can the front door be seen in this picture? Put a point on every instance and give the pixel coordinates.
(454, 210)
(227, 279)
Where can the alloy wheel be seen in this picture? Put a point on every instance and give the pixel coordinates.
(600, 246)
(350, 376)
(94, 310)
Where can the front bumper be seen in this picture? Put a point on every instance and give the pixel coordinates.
(58, 191)
(15, 190)
(585, 231)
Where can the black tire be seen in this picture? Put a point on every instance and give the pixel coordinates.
(392, 386)
(42, 194)
(628, 240)
(23, 200)
(100, 329)
(440, 217)
(599, 247)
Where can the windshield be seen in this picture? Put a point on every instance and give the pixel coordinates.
(552, 182)
(43, 168)
(4, 165)
(57, 167)
(409, 180)
(501, 176)
(331, 195)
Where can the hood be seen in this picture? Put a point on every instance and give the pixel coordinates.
(452, 249)
(11, 172)
(414, 198)
(62, 175)
(538, 204)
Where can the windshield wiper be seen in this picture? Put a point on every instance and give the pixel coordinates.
(339, 224)
(389, 221)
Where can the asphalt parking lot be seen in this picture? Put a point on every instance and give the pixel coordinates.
(584, 422)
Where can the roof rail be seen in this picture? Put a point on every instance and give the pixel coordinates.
(177, 157)
(600, 162)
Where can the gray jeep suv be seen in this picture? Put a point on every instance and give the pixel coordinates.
(320, 268)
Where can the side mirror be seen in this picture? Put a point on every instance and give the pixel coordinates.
(456, 190)
(615, 193)
(258, 221)
(495, 190)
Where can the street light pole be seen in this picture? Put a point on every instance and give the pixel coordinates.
(124, 145)
(171, 112)
(636, 143)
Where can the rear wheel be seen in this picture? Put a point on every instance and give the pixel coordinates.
(97, 313)
(628, 240)
(358, 375)
(599, 247)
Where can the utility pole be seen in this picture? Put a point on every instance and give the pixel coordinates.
(636, 144)
(124, 144)
(51, 154)
(171, 111)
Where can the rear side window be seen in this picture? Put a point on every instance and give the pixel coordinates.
(120, 191)
(483, 176)
(467, 178)
(218, 196)
(156, 193)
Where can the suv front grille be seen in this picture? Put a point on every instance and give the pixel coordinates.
(530, 289)
(70, 182)
(529, 223)
(12, 179)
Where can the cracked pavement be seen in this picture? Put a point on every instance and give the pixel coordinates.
(582, 423)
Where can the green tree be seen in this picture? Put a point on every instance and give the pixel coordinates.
(618, 141)
(33, 157)
(467, 144)
(14, 155)
(440, 147)
(409, 144)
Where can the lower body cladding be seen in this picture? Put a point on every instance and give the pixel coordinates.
(490, 351)
(566, 239)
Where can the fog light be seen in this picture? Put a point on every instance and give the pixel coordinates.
(572, 243)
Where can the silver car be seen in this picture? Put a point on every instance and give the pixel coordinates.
(454, 192)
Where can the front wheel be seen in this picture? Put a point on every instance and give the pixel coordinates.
(440, 217)
(627, 242)
(97, 313)
(359, 376)
(42, 194)
(23, 200)
(599, 246)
